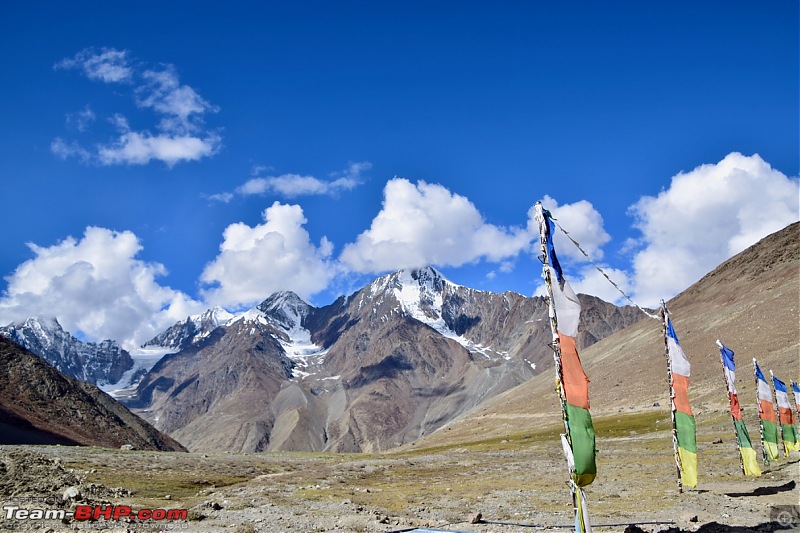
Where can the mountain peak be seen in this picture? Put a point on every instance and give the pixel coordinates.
(286, 309)
(425, 276)
(282, 299)
(420, 289)
(47, 323)
(216, 316)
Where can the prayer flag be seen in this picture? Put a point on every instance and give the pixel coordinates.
(786, 417)
(746, 451)
(766, 413)
(574, 380)
(685, 428)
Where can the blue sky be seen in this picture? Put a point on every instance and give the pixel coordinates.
(158, 158)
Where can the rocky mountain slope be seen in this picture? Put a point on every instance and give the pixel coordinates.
(39, 404)
(386, 365)
(751, 302)
(102, 363)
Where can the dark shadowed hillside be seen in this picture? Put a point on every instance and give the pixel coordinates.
(39, 404)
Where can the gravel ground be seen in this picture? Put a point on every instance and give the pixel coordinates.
(514, 483)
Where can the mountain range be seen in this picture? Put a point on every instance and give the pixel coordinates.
(381, 367)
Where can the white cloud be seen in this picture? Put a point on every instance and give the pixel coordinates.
(109, 65)
(164, 93)
(95, 285)
(584, 224)
(223, 197)
(427, 224)
(139, 148)
(591, 281)
(277, 255)
(60, 148)
(181, 134)
(294, 185)
(706, 216)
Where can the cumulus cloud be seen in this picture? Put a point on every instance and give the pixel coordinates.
(427, 224)
(277, 255)
(95, 286)
(704, 217)
(180, 131)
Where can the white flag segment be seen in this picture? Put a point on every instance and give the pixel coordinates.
(677, 358)
(729, 367)
(584, 513)
(730, 377)
(568, 453)
(782, 399)
(568, 307)
(764, 392)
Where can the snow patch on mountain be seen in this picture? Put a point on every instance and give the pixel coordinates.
(143, 360)
(421, 296)
(286, 312)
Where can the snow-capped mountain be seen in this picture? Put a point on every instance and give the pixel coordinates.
(385, 365)
(450, 309)
(100, 364)
(192, 330)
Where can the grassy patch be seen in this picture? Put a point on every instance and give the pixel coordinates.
(628, 424)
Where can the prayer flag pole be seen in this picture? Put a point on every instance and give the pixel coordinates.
(580, 508)
(760, 422)
(778, 416)
(665, 321)
(728, 386)
(684, 426)
(747, 455)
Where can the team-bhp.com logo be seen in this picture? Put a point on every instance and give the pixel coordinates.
(94, 512)
(786, 515)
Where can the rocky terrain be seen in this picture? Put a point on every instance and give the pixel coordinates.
(515, 482)
(40, 404)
